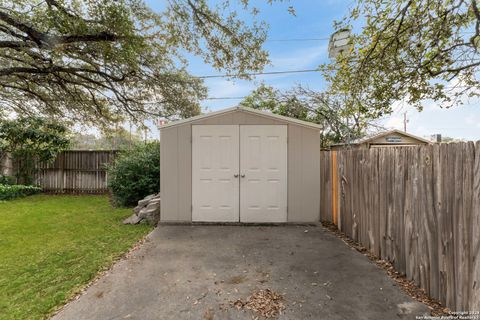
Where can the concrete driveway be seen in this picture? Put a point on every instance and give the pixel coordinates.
(196, 272)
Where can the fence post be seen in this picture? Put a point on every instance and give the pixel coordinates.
(334, 189)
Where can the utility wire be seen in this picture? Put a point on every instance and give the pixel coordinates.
(282, 72)
(297, 40)
(257, 73)
(398, 108)
(225, 98)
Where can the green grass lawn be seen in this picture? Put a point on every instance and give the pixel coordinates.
(51, 246)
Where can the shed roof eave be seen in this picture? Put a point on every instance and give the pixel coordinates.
(247, 110)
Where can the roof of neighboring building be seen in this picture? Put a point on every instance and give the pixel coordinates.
(247, 110)
(375, 136)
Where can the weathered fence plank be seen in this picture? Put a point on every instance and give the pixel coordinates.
(474, 256)
(418, 207)
(76, 171)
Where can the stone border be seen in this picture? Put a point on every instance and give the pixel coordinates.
(148, 209)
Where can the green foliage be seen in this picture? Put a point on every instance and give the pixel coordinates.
(8, 192)
(32, 139)
(267, 98)
(340, 123)
(103, 61)
(410, 50)
(135, 174)
(115, 139)
(52, 246)
(7, 180)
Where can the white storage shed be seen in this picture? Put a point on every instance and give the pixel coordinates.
(240, 165)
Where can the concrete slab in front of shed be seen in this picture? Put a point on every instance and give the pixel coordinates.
(196, 272)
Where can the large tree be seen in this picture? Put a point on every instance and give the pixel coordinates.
(101, 61)
(409, 50)
(340, 122)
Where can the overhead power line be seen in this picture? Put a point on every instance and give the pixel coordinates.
(297, 40)
(224, 98)
(256, 73)
(327, 38)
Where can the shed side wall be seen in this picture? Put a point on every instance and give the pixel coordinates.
(303, 174)
(176, 174)
(303, 167)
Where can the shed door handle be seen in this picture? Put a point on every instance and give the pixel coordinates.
(243, 176)
(236, 175)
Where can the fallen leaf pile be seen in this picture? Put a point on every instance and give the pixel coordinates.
(265, 302)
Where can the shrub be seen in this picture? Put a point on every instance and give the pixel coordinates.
(8, 180)
(30, 139)
(8, 192)
(135, 174)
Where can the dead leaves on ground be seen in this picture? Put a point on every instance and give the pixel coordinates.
(264, 302)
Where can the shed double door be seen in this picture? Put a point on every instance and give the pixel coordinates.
(239, 173)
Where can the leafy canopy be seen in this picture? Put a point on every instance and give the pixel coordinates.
(409, 49)
(101, 61)
(340, 123)
(32, 139)
(114, 139)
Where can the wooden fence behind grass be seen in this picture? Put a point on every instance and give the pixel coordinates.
(76, 171)
(417, 207)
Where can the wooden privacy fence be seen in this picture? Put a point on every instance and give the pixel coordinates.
(76, 171)
(417, 207)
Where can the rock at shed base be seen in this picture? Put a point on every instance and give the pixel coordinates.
(154, 204)
(148, 210)
(133, 219)
(142, 203)
(149, 197)
(151, 213)
(153, 219)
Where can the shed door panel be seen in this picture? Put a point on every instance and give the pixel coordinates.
(263, 169)
(215, 189)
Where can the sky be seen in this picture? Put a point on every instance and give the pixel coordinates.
(291, 47)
